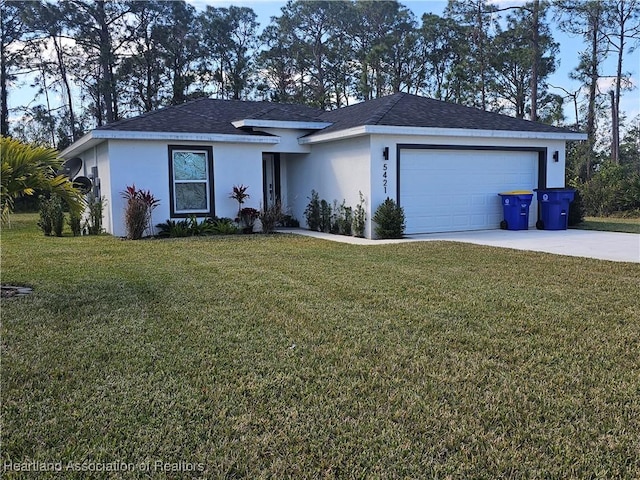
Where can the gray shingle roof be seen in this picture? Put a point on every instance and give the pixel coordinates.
(405, 110)
(207, 115)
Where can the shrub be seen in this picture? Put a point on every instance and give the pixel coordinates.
(270, 217)
(75, 223)
(45, 222)
(140, 204)
(289, 221)
(312, 212)
(222, 226)
(389, 219)
(173, 229)
(190, 227)
(612, 189)
(359, 218)
(181, 228)
(94, 222)
(325, 216)
(576, 210)
(247, 219)
(51, 215)
(342, 218)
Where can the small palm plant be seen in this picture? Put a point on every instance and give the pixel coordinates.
(239, 194)
(27, 170)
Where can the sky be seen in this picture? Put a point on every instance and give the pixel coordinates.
(568, 56)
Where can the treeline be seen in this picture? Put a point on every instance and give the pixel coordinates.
(94, 62)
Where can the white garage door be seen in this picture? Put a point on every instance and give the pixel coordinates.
(457, 190)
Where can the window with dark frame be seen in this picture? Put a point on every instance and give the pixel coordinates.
(191, 180)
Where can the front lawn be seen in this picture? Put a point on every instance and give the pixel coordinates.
(290, 357)
(611, 224)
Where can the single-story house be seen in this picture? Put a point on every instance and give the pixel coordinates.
(443, 163)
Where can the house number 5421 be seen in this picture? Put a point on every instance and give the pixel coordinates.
(385, 172)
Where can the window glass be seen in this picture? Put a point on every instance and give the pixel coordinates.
(189, 166)
(191, 196)
(190, 182)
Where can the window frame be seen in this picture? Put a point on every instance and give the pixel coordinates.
(209, 211)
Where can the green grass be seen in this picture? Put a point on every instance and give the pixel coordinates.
(611, 224)
(290, 357)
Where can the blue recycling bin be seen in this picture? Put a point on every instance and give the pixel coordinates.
(554, 207)
(515, 205)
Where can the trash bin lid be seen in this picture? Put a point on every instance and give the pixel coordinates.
(517, 192)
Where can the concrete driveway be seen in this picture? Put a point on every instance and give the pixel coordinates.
(618, 247)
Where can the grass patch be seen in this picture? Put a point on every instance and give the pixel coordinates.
(290, 357)
(611, 224)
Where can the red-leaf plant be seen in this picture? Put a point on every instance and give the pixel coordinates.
(140, 204)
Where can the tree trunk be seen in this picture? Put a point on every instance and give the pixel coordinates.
(535, 40)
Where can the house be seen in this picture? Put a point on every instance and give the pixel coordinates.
(443, 163)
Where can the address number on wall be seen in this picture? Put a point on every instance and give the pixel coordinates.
(385, 179)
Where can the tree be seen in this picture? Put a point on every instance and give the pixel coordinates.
(229, 34)
(622, 31)
(27, 170)
(516, 69)
(100, 29)
(478, 16)
(142, 75)
(277, 63)
(385, 41)
(630, 147)
(311, 28)
(442, 46)
(179, 49)
(586, 18)
(46, 24)
(12, 55)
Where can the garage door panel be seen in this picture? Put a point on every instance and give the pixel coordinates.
(455, 190)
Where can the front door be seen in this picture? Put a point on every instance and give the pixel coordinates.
(271, 178)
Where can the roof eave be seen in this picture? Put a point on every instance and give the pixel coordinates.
(287, 124)
(98, 136)
(86, 142)
(320, 137)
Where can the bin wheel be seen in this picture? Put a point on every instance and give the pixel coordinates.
(504, 225)
(540, 225)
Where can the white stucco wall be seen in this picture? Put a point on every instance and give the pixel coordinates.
(98, 156)
(336, 170)
(145, 163)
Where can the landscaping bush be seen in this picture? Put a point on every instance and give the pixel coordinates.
(389, 219)
(190, 227)
(51, 215)
(174, 229)
(222, 226)
(270, 217)
(312, 212)
(140, 204)
(359, 218)
(247, 219)
(290, 221)
(342, 219)
(612, 189)
(325, 216)
(45, 222)
(576, 210)
(75, 223)
(93, 224)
